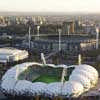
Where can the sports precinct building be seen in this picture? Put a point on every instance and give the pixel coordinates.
(67, 44)
(12, 54)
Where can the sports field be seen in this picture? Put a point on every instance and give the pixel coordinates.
(47, 79)
(47, 75)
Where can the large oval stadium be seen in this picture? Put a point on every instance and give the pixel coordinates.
(28, 80)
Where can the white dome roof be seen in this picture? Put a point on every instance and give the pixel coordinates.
(72, 88)
(82, 79)
(8, 85)
(12, 54)
(54, 89)
(87, 74)
(87, 68)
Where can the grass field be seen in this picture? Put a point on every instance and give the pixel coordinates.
(47, 75)
(47, 79)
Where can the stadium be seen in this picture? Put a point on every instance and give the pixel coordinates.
(28, 80)
(11, 55)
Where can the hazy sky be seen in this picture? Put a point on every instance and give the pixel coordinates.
(50, 5)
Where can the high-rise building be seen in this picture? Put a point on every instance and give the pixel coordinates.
(68, 27)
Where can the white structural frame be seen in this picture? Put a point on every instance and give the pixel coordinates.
(38, 32)
(79, 59)
(97, 37)
(59, 31)
(29, 37)
(68, 29)
(43, 58)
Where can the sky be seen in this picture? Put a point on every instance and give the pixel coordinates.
(50, 5)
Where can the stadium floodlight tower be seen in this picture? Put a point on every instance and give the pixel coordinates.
(97, 37)
(29, 37)
(59, 31)
(17, 72)
(38, 32)
(79, 59)
(68, 29)
(43, 58)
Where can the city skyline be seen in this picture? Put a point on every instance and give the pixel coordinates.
(85, 6)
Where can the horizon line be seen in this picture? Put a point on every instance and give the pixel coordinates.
(46, 12)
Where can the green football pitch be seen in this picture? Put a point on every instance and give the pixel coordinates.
(48, 75)
(47, 79)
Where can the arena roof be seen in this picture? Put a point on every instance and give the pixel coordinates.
(9, 51)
